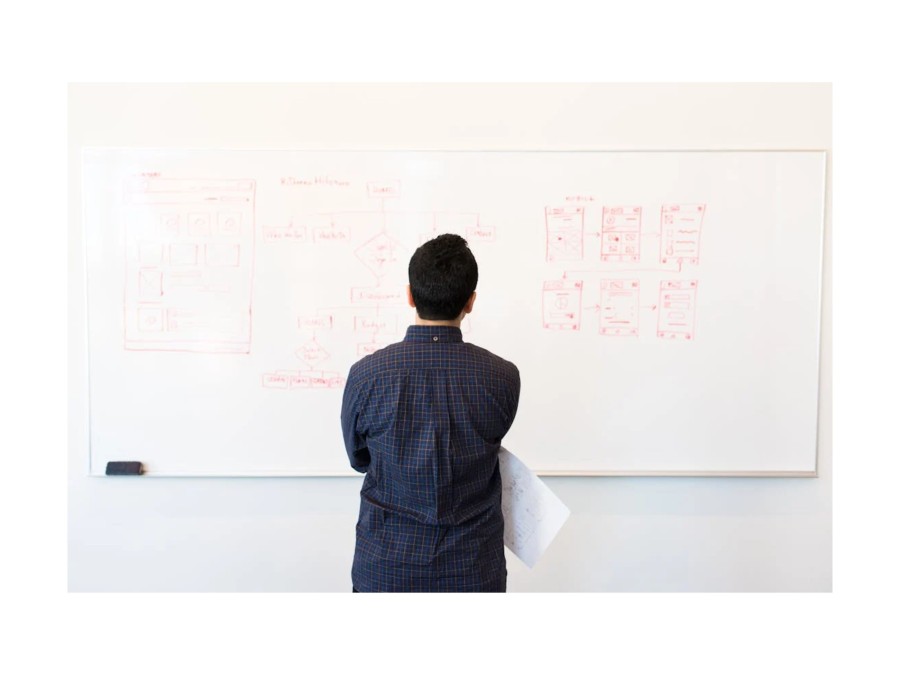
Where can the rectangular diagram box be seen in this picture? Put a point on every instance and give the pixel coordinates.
(375, 324)
(383, 188)
(378, 296)
(681, 225)
(182, 254)
(150, 285)
(222, 255)
(621, 234)
(228, 224)
(284, 233)
(198, 236)
(302, 379)
(276, 381)
(320, 322)
(677, 309)
(323, 234)
(565, 232)
(199, 225)
(620, 307)
(481, 233)
(562, 305)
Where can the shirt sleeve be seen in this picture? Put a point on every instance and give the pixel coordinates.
(513, 399)
(354, 442)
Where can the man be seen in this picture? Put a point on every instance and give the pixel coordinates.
(423, 419)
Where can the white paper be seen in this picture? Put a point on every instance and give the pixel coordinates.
(532, 514)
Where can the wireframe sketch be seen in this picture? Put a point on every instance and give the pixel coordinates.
(681, 225)
(189, 264)
(620, 307)
(677, 309)
(621, 234)
(562, 305)
(565, 232)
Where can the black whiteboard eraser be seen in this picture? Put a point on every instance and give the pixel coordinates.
(124, 468)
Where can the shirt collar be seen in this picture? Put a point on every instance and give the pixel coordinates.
(433, 334)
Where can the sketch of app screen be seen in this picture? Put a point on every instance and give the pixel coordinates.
(677, 309)
(562, 305)
(619, 307)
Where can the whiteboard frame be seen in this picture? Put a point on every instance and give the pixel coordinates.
(826, 212)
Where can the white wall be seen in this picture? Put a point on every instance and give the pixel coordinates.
(297, 534)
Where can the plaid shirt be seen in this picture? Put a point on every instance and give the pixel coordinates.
(423, 419)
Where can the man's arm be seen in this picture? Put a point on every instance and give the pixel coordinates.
(354, 442)
(513, 400)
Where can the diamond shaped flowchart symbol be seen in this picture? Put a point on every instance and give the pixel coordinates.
(312, 353)
(380, 254)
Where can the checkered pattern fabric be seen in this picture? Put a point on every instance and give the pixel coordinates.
(423, 419)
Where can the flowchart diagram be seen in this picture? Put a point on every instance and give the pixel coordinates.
(192, 245)
(379, 240)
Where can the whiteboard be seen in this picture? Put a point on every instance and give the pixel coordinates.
(663, 308)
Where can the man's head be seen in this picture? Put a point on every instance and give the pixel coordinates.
(442, 278)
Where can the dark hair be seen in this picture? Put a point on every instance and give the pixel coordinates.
(442, 277)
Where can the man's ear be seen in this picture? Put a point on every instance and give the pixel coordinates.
(409, 297)
(468, 308)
